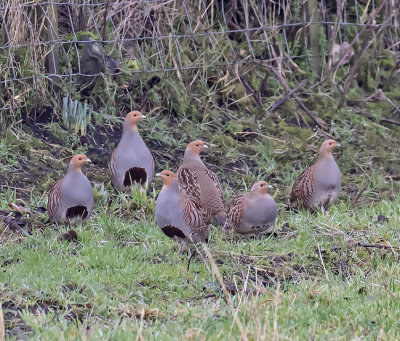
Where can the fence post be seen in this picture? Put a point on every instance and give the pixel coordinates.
(313, 15)
(53, 58)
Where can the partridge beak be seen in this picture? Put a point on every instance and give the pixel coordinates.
(269, 186)
(337, 145)
(205, 146)
(88, 160)
(159, 174)
(143, 116)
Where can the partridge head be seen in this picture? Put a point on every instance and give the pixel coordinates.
(195, 148)
(132, 119)
(327, 147)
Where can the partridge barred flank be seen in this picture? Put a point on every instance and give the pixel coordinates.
(304, 188)
(54, 198)
(188, 182)
(235, 213)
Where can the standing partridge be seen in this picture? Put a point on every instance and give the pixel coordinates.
(200, 182)
(71, 198)
(180, 216)
(131, 162)
(253, 212)
(318, 185)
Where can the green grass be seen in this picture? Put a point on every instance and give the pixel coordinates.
(314, 278)
(308, 280)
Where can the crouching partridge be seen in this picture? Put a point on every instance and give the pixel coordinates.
(200, 182)
(131, 162)
(71, 198)
(253, 212)
(180, 216)
(318, 185)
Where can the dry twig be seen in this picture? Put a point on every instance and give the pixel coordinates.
(389, 120)
(288, 94)
(359, 195)
(284, 83)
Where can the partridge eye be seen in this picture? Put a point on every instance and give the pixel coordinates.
(167, 174)
(197, 145)
(330, 143)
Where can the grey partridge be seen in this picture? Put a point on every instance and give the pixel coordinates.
(131, 162)
(319, 185)
(71, 198)
(200, 182)
(253, 212)
(180, 216)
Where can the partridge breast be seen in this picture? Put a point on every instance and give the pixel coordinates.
(131, 162)
(71, 198)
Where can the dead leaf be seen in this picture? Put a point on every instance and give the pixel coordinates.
(145, 313)
(140, 312)
(18, 208)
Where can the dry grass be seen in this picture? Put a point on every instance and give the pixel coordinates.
(167, 35)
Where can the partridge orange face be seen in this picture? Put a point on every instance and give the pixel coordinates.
(167, 177)
(133, 118)
(328, 146)
(196, 146)
(261, 187)
(78, 160)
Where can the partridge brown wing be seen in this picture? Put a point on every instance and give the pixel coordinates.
(214, 178)
(303, 189)
(54, 199)
(112, 167)
(196, 217)
(188, 182)
(235, 213)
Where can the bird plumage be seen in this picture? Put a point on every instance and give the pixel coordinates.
(131, 162)
(200, 182)
(179, 215)
(319, 185)
(71, 198)
(253, 212)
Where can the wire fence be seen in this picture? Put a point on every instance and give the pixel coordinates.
(57, 43)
